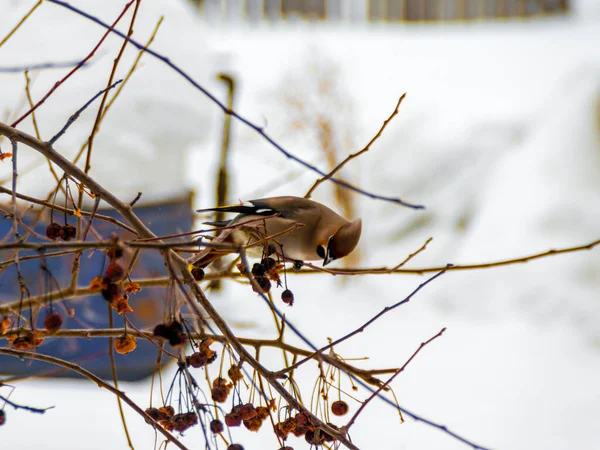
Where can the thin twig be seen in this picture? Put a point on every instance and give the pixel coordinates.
(357, 154)
(229, 111)
(366, 324)
(387, 383)
(101, 383)
(66, 77)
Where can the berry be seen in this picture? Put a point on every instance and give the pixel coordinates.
(287, 297)
(233, 419)
(216, 426)
(247, 411)
(54, 231)
(2, 417)
(197, 360)
(125, 344)
(114, 272)
(69, 232)
(110, 291)
(339, 408)
(258, 270)
(114, 253)
(198, 273)
(268, 263)
(219, 394)
(53, 322)
(264, 285)
(235, 447)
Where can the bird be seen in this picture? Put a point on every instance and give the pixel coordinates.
(301, 230)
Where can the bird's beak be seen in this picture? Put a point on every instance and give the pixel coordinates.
(328, 258)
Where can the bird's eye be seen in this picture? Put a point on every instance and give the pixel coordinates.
(321, 251)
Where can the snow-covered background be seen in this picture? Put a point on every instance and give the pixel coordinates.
(499, 137)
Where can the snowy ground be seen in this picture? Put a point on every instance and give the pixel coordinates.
(499, 137)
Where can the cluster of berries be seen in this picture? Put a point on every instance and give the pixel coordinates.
(65, 232)
(251, 417)
(170, 421)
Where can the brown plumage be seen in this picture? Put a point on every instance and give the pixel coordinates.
(317, 232)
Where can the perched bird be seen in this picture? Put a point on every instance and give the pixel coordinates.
(315, 232)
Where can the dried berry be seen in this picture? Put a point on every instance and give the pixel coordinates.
(314, 438)
(216, 426)
(264, 285)
(197, 273)
(28, 342)
(326, 436)
(167, 412)
(114, 272)
(247, 411)
(288, 297)
(172, 331)
(288, 425)
(2, 417)
(258, 270)
(286, 448)
(69, 232)
(219, 394)
(54, 231)
(253, 424)
(154, 413)
(235, 447)
(125, 344)
(235, 373)
(53, 322)
(182, 422)
(279, 432)
(302, 419)
(132, 288)
(339, 408)
(114, 253)
(233, 419)
(262, 412)
(268, 263)
(196, 360)
(110, 291)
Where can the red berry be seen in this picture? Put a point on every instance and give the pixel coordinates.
(339, 408)
(54, 231)
(287, 297)
(53, 322)
(114, 272)
(69, 232)
(216, 426)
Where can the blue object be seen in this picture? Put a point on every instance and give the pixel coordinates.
(92, 311)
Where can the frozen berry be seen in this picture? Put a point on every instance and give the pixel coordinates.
(114, 272)
(69, 232)
(197, 360)
(216, 426)
(264, 285)
(219, 394)
(198, 273)
(114, 253)
(268, 263)
(53, 322)
(258, 270)
(247, 411)
(54, 231)
(110, 291)
(287, 297)
(339, 408)
(233, 419)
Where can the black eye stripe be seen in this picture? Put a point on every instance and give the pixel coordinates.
(321, 251)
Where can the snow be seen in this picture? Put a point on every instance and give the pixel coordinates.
(499, 137)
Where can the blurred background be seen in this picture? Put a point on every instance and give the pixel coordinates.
(499, 137)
